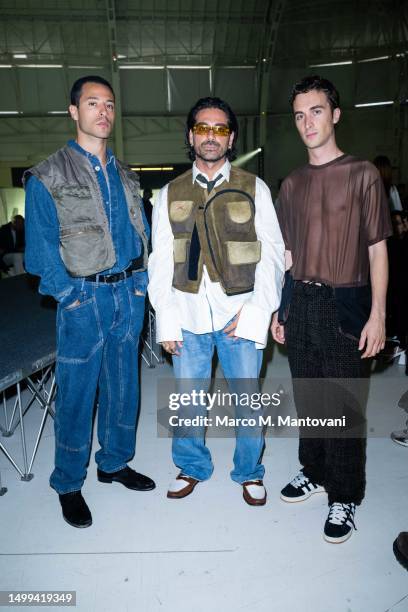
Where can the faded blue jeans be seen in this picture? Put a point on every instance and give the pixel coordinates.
(97, 352)
(240, 361)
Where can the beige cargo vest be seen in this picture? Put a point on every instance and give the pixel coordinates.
(225, 221)
(86, 245)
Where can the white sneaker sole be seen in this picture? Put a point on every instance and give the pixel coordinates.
(338, 540)
(292, 500)
(403, 442)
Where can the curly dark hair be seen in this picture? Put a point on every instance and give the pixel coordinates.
(209, 102)
(317, 83)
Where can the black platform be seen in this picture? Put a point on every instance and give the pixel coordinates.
(27, 329)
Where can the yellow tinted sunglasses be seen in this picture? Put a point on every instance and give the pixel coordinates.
(204, 129)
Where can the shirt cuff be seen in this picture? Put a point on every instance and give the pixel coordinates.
(253, 324)
(167, 326)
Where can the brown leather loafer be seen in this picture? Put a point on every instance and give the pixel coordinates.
(178, 492)
(254, 492)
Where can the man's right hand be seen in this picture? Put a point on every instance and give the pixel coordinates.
(171, 346)
(278, 330)
(76, 303)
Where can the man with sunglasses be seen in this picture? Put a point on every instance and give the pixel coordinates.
(215, 278)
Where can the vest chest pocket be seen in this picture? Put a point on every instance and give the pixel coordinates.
(74, 204)
(238, 216)
(181, 215)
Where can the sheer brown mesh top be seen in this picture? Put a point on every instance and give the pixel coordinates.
(329, 215)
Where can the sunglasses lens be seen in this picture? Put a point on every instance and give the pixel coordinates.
(221, 130)
(218, 130)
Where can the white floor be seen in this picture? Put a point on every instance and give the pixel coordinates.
(210, 552)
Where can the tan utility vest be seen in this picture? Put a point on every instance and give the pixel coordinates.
(225, 221)
(86, 245)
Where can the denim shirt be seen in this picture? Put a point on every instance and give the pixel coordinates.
(42, 232)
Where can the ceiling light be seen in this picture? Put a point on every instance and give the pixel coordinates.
(189, 67)
(6, 66)
(64, 112)
(40, 66)
(152, 169)
(374, 59)
(139, 67)
(20, 55)
(85, 67)
(9, 112)
(345, 63)
(385, 103)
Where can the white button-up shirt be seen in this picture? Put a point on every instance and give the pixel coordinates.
(210, 309)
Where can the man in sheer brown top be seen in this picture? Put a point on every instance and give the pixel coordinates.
(334, 219)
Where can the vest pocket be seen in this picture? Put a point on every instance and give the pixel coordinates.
(83, 249)
(238, 216)
(180, 210)
(180, 246)
(243, 253)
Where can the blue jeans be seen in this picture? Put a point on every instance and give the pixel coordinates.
(240, 361)
(97, 352)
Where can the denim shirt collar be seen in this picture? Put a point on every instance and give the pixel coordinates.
(109, 154)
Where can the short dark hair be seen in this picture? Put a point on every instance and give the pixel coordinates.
(76, 89)
(317, 83)
(209, 102)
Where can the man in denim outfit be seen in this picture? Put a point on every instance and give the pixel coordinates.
(215, 277)
(87, 240)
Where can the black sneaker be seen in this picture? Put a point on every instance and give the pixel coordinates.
(300, 488)
(340, 523)
(75, 510)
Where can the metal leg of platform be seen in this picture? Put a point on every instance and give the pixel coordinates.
(44, 397)
(149, 354)
(3, 490)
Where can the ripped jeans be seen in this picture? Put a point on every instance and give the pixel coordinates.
(97, 357)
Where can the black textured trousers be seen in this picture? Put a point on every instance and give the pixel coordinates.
(318, 350)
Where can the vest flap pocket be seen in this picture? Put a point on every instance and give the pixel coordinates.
(180, 210)
(241, 253)
(239, 212)
(71, 191)
(180, 250)
(74, 231)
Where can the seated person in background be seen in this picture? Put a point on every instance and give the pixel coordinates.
(12, 245)
(384, 167)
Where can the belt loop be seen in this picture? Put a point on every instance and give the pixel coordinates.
(97, 281)
(82, 284)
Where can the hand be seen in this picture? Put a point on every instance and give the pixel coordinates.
(372, 337)
(171, 346)
(278, 330)
(230, 330)
(76, 303)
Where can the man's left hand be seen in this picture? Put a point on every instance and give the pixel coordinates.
(230, 329)
(372, 337)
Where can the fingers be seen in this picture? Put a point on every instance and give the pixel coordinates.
(172, 346)
(374, 345)
(278, 333)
